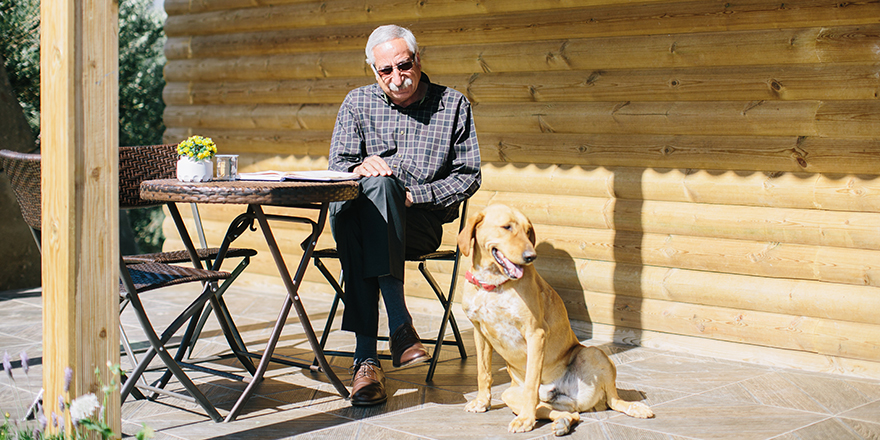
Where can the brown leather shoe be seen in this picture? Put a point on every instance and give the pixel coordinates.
(406, 349)
(368, 384)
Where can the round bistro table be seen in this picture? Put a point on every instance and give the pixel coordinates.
(256, 194)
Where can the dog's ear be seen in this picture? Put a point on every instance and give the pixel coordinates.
(466, 236)
(532, 237)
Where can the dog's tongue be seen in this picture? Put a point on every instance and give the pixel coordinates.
(512, 270)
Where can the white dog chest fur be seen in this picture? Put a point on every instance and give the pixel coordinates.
(502, 309)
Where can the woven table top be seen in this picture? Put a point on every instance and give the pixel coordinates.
(246, 192)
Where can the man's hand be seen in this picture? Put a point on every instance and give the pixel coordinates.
(373, 166)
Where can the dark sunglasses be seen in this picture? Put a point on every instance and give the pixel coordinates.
(402, 67)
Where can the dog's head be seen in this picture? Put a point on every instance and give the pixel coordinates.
(501, 236)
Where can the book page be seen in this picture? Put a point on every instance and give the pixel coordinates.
(316, 175)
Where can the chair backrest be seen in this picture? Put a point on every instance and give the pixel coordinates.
(136, 164)
(23, 170)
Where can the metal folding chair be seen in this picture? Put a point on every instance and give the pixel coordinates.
(142, 273)
(445, 298)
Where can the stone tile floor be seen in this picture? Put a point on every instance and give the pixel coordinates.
(693, 397)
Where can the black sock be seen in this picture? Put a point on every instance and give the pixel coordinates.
(365, 348)
(395, 304)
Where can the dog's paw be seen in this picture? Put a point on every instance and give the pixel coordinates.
(521, 424)
(639, 410)
(563, 425)
(477, 406)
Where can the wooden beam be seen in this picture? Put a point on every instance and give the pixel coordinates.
(79, 102)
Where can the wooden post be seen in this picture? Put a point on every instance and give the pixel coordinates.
(79, 111)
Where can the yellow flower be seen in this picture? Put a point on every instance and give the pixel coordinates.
(197, 147)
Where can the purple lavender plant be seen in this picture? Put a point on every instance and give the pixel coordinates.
(7, 364)
(25, 362)
(68, 377)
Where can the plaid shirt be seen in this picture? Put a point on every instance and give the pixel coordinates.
(430, 145)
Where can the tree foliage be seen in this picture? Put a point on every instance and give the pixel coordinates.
(20, 48)
(141, 59)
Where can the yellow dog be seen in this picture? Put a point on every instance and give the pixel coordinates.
(516, 312)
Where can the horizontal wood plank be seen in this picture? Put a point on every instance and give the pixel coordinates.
(839, 82)
(258, 116)
(744, 48)
(650, 19)
(764, 153)
(814, 335)
(772, 225)
(835, 192)
(315, 144)
(737, 292)
(842, 119)
(858, 267)
(828, 119)
(289, 14)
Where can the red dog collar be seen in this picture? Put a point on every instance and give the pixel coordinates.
(485, 286)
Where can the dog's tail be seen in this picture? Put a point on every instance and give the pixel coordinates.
(633, 409)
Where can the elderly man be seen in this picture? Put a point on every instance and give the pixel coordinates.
(413, 142)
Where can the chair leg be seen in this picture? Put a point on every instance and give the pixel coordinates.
(181, 351)
(337, 298)
(448, 317)
(157, 347)
(446, 302)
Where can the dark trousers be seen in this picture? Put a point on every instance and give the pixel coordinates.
(374, 233)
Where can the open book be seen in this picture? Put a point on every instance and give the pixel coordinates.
(318, 175)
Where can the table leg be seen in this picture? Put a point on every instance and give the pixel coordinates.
(238, 226)
(292, 287)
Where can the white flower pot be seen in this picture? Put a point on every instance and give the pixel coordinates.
(194, 170)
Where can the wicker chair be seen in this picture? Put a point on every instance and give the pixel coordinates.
(142, 273)
(445, 298)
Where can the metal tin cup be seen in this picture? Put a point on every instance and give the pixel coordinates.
(227, 166)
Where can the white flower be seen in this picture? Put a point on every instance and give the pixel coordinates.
(84, 406)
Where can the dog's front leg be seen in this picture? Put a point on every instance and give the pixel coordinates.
(525, 419)
(483, 401)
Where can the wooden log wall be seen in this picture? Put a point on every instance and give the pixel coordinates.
(702, 175)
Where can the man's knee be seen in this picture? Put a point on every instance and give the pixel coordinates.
(382, 186)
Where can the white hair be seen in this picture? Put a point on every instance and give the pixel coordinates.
(384, 34)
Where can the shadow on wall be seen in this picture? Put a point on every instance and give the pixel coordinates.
(563, 263)
(628, 309)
